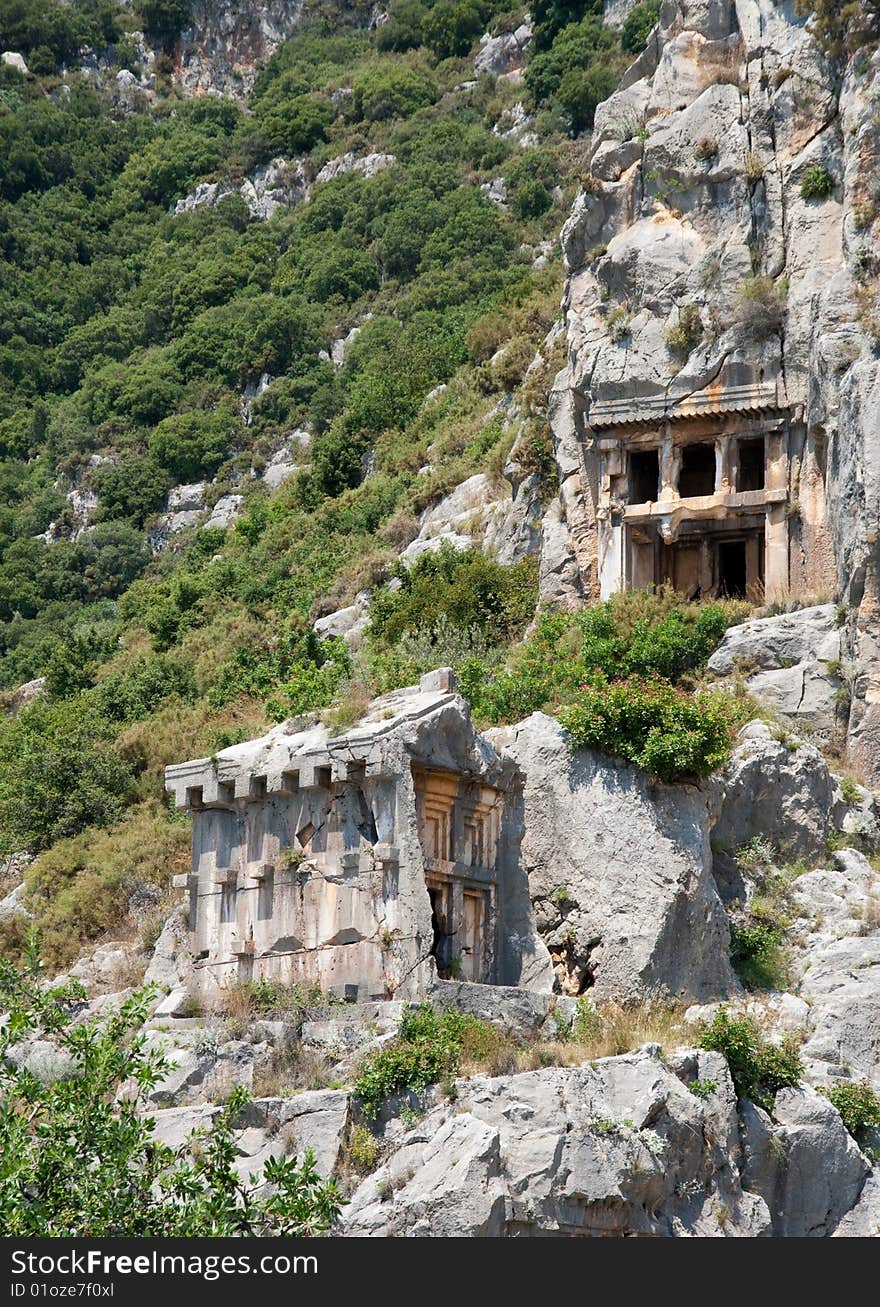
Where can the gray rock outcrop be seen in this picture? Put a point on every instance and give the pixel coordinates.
(618, 1147)
(619, 872)
(791, 662)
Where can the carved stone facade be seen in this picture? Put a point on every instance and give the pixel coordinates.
(714, 498)
(369, 863)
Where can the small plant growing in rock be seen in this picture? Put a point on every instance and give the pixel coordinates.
(754, 168)
(760, 306)
(858, 1105)
(687, 332)
(706, 149)
(428, 1051)
(362, 1151)
(618, 324)
(703, 1089)
(850, 791)
(816, 183)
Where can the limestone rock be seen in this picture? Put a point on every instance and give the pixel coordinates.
(14, 60)
(368, 165)
(286, 461)
(225, 512)
(349, 622)
(170, 967)
(777, 790)
(619, 872)
(504, 54)
(13, 903)
(227, 42)
(824, 1171)
(792, 662)
(269, 1126)
(617, 1147)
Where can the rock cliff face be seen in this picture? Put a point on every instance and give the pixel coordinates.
(700, 182)
(221, 51)
(226, 41)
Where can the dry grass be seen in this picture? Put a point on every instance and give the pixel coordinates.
(291, 1068)
(607, 1031)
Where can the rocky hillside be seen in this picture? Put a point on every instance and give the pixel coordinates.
(292, 416)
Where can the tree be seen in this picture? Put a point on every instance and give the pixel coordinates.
(165, 18)
(192, 445)
(77, 1154)
(638, 25)
(392, 91)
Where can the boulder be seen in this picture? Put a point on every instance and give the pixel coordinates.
(505, 54)
(268, 1126)
(225, 512)
(170, 967)
(619, 872)
(791, 661)
(775, 788)
(14, 60)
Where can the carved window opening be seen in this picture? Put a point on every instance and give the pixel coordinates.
(644, 475)
(697, 475)
(750, 465)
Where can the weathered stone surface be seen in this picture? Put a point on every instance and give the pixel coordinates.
(349, 622)
(499, 55)
(618, 1147)
(226, 43)
(286, 461)
(777, 790)
(791, 662)
(619, 872)
(824, 1171)
(13, 904)
(269, 1126)
(226, 511)
(14, 60)
(367, 164)
(199, 1075)
(170, 967)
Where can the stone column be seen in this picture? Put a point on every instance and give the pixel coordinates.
(776, 553)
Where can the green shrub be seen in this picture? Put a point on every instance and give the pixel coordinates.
(192, 445)
(858, 1105)
(640, 633)
(757, 955)
(687, 331)
(467, 588)
(759, 1069)
(391, 91)
(637, 26)
(79, 1154)
(653, 724)
(133, 490)
(427, 1051)
(816, 183)
(294, 674)
(59, 772)
(703, 1089)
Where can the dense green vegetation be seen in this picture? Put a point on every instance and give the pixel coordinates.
(428, 1051)
(857, 1103)
(128, 338)
(759, 1068)
(78, 1154)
